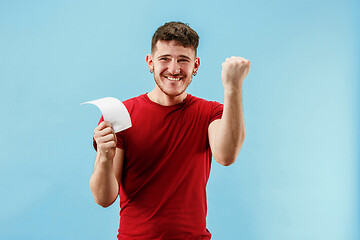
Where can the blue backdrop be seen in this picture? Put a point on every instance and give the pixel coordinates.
(297, 176)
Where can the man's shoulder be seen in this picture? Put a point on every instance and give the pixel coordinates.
(134, 100)
(201, 100)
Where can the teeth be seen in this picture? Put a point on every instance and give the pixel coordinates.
(173, 79)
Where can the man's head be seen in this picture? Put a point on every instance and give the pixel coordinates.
(173, 58)
(179, 32)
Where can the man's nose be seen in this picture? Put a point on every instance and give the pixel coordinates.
(174, 67)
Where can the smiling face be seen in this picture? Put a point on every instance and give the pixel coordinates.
(173, 66)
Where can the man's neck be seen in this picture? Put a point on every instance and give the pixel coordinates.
(165, 100)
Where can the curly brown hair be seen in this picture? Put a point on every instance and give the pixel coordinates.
(180, 32)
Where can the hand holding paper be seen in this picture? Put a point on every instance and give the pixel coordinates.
(106, 140)
(114, 112)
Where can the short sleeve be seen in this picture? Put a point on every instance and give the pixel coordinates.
(216, 111)
(119, 137)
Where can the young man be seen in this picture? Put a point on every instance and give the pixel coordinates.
(160, 166)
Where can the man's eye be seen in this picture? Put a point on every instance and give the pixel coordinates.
(163, 59)
(183, 60)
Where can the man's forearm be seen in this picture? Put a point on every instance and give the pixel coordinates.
(230, 134)
(103, 183)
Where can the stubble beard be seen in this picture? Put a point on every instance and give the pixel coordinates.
(158, 83)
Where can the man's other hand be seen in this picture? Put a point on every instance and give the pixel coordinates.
(106, 141)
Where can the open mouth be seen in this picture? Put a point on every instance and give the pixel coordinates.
(175, 79)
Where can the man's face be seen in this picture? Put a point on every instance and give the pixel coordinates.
(173, 66)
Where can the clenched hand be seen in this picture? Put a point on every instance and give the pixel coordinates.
(234, 71)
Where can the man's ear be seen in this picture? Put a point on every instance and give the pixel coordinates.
(196, 64)
(150, 62)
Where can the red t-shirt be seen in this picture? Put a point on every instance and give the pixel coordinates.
(166, 169)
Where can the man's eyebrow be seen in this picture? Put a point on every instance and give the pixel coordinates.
(180, 56)
(184, 56)
(165, 55)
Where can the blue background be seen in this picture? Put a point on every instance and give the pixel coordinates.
(297, 176)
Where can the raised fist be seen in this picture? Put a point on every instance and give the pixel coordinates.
(234, 71)
(106, 140)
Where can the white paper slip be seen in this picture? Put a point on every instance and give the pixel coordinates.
(114, 112)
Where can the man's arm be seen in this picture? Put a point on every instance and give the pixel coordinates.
(227, 134)
(105, 180)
